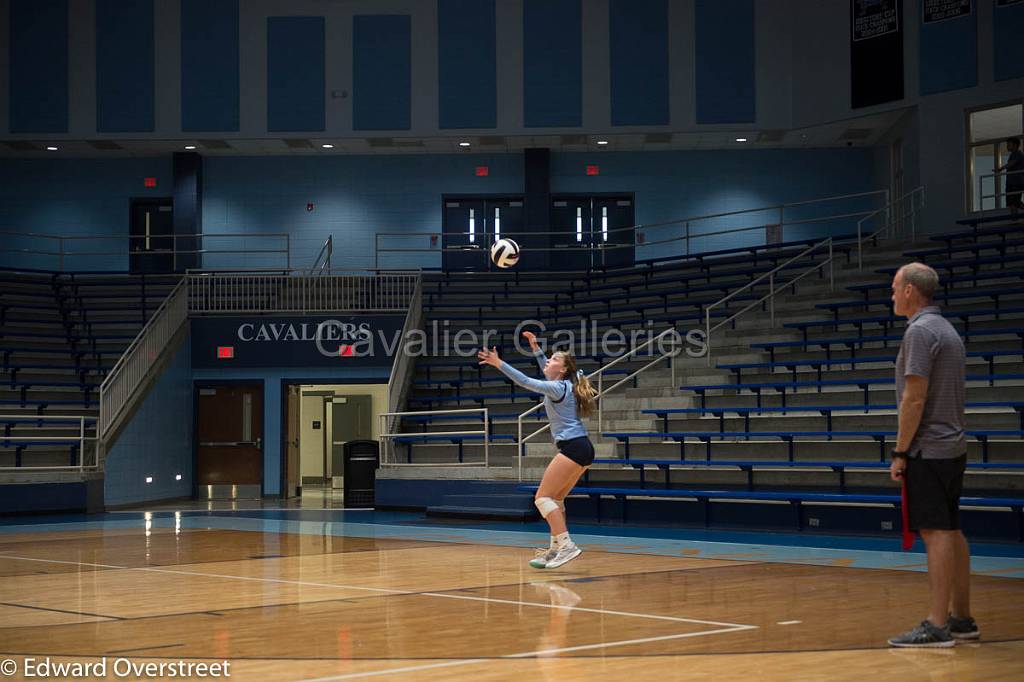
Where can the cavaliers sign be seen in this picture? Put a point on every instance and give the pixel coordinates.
(364, 341)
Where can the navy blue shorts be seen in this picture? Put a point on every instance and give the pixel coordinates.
(579, 450)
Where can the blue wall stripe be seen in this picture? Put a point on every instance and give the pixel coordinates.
(381, 72)
(552, 63)
(124, 66)
(725, 61)
(38, 66)
(948, 55)
(209, 65)
(1007, 44)
(638, 44)
(467, 66)
(295, 74)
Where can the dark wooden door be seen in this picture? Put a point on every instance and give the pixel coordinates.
(230, 435)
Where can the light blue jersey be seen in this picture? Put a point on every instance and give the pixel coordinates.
(559, 399)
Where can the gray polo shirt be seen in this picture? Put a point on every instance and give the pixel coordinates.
(933, 349)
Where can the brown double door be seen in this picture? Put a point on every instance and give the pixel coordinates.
(230, 435)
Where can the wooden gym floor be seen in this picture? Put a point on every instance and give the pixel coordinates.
(322, 605)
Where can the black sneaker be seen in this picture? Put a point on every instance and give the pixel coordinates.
(963, 628)
(924, 635)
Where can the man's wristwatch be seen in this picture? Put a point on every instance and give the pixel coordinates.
(897, 453)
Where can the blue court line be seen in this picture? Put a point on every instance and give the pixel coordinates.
(349, 524)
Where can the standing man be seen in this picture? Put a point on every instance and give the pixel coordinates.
(931, 454)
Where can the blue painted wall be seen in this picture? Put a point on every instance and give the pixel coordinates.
(124, 66)
(552, 63)
(209, 65)
(1007, 45)
(638, 47)
(74, 197)
(157, 441)
(726, 82)
(467, 76)
(355, 197)
(949, 52)
(295, 74)
(38, 66)
(271, 378)
(381, 72)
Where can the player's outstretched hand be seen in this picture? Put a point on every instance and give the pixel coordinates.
(489, 357)
(531, 338)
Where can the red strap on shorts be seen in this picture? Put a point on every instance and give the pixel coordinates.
(908, 535)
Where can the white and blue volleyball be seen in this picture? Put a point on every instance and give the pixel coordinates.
(505, 253)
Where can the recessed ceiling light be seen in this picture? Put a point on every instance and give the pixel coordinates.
(190, 147)
(327, 146)
(741, 139)
(51, 149)
(463, 144)
(602, 141)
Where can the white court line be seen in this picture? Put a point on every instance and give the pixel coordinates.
(531, 654)
(382, 590)
(789, 622)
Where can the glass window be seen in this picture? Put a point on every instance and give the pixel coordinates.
(987, 130)
(472, 225)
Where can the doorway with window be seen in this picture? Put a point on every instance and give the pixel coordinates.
(471, 224)
(987, 130)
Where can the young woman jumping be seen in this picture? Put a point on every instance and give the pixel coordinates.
(568, 397)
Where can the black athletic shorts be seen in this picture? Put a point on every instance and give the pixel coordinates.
(579, 450)
(933, 492)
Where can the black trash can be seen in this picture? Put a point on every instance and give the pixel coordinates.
(361, 458)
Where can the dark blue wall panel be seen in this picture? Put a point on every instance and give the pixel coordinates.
(381, 72)
(552, 63)
(295, 74)
(638, 43)
(467, 76)
(124, 66)
(1007, 41)
(948, 57)
(725, 61)
(209, 65)
(38, 66)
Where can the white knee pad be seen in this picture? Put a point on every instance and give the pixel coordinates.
(545, 505)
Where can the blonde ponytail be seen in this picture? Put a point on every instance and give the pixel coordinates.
(582, 389)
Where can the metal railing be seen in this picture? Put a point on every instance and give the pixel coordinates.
(775, 215)
(322, 262)
(601, 390)
(998, 189)
(402, 367)
(183, 247)
(772, 290)
(138, 360)
(389, 419)
(896, 215)
(274, 292)
(81, 439)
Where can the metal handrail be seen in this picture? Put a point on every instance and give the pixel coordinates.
(996, 191)
(325, 253)
(81, 438)
(601, 391)
(770, 296)
(402, 368)
(386, 433)
(889, 222)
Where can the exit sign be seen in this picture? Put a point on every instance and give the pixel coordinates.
(593, 170)
(149, 182)
(482, 171)
(225, 352)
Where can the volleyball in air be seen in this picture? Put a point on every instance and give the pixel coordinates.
(505, 253)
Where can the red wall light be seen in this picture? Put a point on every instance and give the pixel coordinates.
(593, 170)
(225, 352)
(149, 182)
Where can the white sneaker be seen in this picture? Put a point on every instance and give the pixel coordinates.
(542, 557)
(564, 555)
